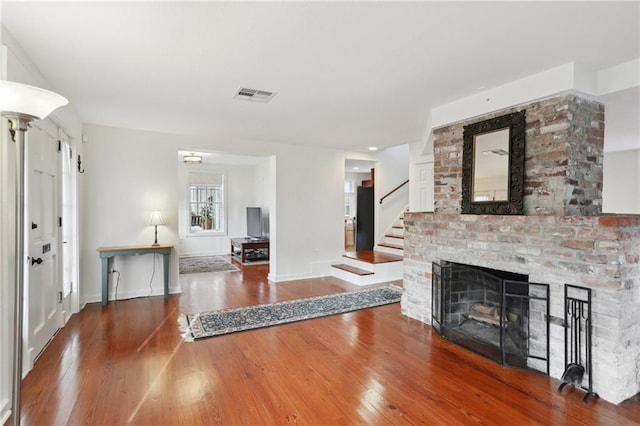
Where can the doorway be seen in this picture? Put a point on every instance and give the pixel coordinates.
(358, 174)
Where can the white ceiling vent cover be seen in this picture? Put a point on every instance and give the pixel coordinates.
(253, 95)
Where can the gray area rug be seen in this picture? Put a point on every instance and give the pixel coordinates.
(208, 324)
(199, 264)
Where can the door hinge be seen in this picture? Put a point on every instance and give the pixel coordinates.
(59, 145)
(59, 297)
(60, 221)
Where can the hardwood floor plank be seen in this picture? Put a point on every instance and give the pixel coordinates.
(126, 363)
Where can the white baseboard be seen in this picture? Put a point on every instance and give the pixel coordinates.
(123, 295)
(5, 411)
(207, 253)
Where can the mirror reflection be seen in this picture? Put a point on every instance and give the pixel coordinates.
(491, 166)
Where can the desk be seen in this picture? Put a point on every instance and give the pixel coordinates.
(107, 253)
(249, 244)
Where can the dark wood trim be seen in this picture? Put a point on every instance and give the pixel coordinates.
(394, 190)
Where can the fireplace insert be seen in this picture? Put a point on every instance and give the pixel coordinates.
(498, 314)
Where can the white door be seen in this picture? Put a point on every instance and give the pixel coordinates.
(42, 292)
(425, 187)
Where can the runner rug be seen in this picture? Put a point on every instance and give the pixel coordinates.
(199, 264)
(215, 323)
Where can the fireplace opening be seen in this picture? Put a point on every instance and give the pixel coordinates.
(498, 314)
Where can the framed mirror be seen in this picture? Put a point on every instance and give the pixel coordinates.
(493, 165)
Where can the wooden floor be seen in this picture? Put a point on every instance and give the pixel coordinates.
(373, 256)
(127, 364)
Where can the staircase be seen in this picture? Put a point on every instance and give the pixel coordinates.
(382, 264)
(368, 267)
(393, 240)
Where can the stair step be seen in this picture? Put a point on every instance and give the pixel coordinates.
(398, 227)
(352, 269)
(372, 256)
(394, 236)
(394, 246)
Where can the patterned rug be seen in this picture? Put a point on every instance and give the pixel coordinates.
(215, 323)
(199, 264)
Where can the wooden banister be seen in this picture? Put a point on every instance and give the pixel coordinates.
(394, 190)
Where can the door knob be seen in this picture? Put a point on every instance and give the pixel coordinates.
(34, 261)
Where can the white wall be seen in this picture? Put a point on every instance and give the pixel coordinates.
(621, 182)
(392, 169)
(357, 177)
(309, 217)
(129, 173)
(7, 276)
(239, 193)
(264, 188)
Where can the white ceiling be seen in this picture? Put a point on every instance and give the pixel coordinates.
(347, 74)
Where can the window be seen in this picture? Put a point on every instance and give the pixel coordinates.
(206, 203)
(349, 185)
(349, 198)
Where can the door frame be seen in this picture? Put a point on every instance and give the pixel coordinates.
(72, 305)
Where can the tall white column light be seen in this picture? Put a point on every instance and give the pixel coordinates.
(21, 104)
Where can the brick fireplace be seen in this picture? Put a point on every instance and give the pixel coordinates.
(563, 237)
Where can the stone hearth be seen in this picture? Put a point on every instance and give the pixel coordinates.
(562, 239)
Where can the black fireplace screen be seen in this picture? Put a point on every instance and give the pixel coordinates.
(498, 314)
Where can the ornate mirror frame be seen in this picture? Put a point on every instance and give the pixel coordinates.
(516, 123)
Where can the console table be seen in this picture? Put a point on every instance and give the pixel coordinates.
(107, 253)
(245, 244)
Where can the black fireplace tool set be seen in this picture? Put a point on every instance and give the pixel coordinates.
(577, 339)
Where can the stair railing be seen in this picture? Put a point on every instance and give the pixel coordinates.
(393, 190)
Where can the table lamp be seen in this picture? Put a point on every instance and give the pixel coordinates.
(155, 220)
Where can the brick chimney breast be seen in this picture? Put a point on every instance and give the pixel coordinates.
(563, 158)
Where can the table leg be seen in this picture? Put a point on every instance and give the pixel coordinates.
(165, 258)
(105, 280)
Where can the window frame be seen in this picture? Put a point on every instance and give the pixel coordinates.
(220, 231)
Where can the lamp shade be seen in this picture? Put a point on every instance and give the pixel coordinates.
(17, 98)
(156, 218)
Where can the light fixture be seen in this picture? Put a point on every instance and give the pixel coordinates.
(373, 148)
(21, 104)
(156, 219)
(192, 159)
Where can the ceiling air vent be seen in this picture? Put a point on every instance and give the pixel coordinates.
(253, 95)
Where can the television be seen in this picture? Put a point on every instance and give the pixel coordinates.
(254, 223)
